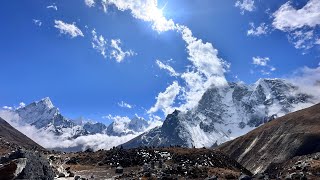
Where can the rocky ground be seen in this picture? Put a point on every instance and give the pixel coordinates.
(147, 163)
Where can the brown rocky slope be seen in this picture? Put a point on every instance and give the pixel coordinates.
(273, 143)
(12, 139)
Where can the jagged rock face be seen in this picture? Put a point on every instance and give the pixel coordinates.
(42, 114)
(224, 113)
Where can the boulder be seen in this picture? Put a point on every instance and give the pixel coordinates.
(23, 164)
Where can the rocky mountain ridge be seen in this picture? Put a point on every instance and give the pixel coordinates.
(224, 113)
(276, 142)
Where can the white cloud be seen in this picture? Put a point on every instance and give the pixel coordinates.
(300, 24)
(125, 105)
(302, 39)
(145, 10)
(263, 63)
(207, 68)
(260, 61)
(53, 6)
(69, 29)
(245, 5)
(21, 105)
(48, 139)
(37, 22)
(166, 99)
(287, 18)
(167, 67)
(308, 79)
(90, 3)
(262, 29)
(117, 51)
(99, 43)
(7, 108)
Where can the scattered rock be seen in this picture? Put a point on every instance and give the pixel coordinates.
(61, 175)
(244, 177)
(119, 170)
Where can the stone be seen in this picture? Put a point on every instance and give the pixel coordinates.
(119, 170)
(61, 175)
(71, 174)
(244, 177)
(212, 178)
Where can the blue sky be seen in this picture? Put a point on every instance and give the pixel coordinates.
(46, 49)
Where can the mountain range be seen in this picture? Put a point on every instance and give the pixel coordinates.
(224, 113)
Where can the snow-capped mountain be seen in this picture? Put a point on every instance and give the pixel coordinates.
(44, 116)
(224, 113)
(127, 126)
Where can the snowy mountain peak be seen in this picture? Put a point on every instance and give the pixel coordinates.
(46, 102)
(224, 113)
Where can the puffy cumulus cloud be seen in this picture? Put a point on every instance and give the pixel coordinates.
(262, 29)
(69, 29)
(166, 99)
(99, 43)
(260, 61)
(90, 3)
(167, 67)
(117, 53)
(125, 105)
(300, 24)
(287, 18)
(207, 69)
(245, 5)
(146, 10)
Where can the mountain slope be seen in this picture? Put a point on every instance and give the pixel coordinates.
(11, 139)
(224, 113)
(292, 135)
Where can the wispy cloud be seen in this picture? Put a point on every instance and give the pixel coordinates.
(90, 3)
(207, 68)
(99, 43)
(245, 5)
(117, 53)
(262, 29)
(37, 22)
(263, 62)
(167, 67)
(53, 6)
(125, 105)
(68, 29)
